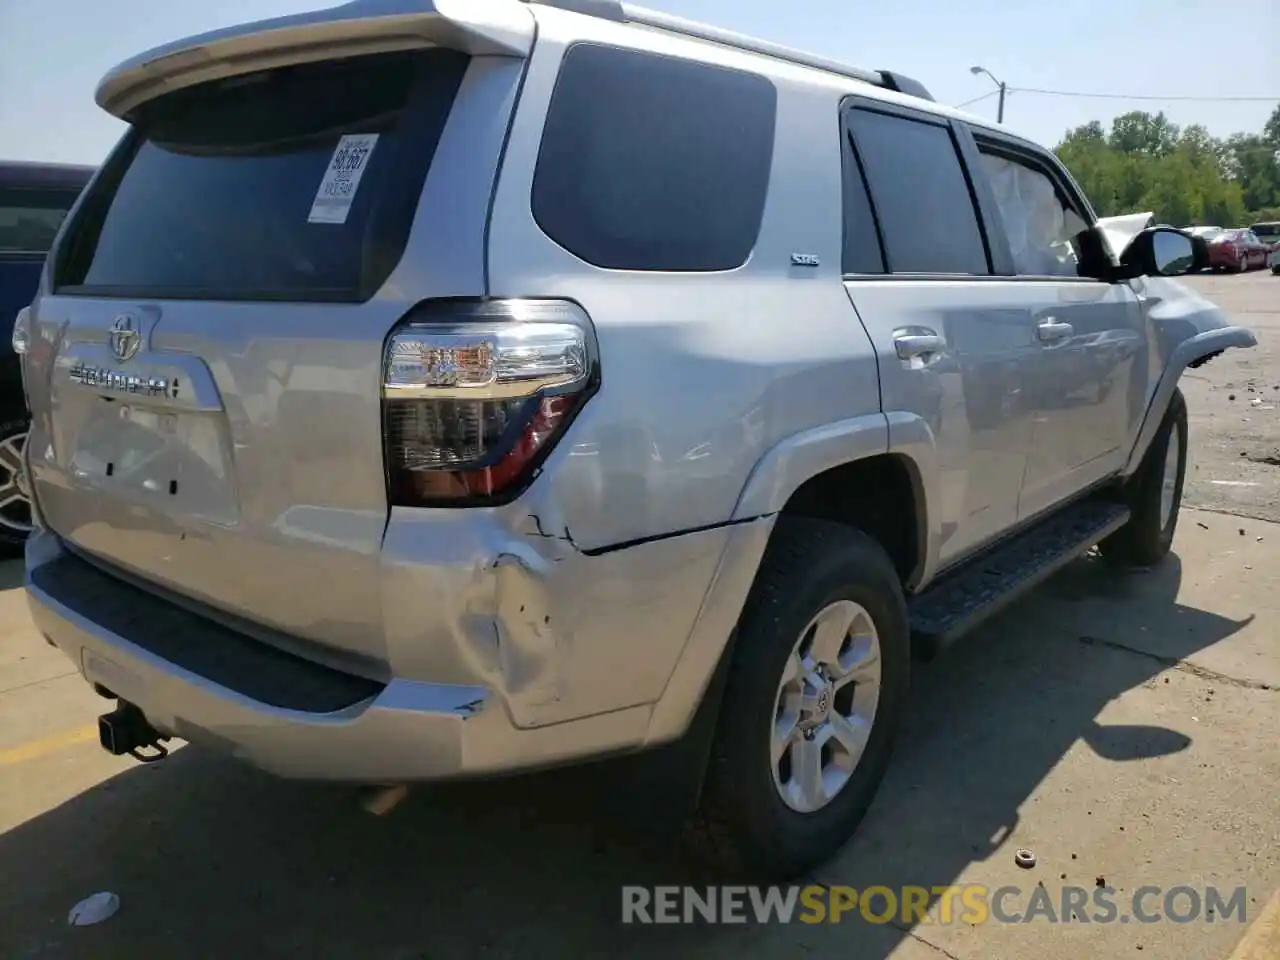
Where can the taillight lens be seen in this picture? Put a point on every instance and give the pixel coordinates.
(475, 395)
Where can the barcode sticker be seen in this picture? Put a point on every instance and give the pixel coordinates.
(342, 179)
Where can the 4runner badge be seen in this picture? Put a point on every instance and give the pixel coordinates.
(125, 338)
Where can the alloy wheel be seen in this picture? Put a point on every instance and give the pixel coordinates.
(825, 706)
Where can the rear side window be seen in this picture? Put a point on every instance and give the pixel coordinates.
(922, 200)
(30, 218)
(654, 163)
(217, 192)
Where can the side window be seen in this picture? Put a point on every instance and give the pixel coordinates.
(862, 253)
(1039, 222)
(922, 200)
(654, 163)
(29, 219)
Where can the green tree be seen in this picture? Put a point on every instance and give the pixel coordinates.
(1187, 176)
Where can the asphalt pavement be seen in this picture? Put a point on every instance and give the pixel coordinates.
(1234, 404)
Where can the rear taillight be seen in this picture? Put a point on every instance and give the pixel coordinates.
(475, 395)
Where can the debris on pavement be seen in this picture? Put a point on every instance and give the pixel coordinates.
(101, 906)
(380, 801)
(1024, 858)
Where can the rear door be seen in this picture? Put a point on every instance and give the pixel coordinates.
(1088, 386)
(955, 342)
(208, 406)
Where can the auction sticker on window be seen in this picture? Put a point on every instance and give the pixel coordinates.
(342, 179)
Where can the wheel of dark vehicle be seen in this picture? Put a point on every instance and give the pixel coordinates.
(15, 500)
(1154, 494)
(1243, 265)
(815, 695)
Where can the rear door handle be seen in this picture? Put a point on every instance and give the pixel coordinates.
(1050, 330)
(912, 345)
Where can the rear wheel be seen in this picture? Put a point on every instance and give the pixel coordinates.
(1154, 495)
(1243, 265)
(815, 696)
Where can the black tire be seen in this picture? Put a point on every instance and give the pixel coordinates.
(12, 538)
(1144, 540)
(742, 821)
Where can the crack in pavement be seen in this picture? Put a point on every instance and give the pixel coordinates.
(36, 683)
(901, 928)
(1184, 666)
(932, 946)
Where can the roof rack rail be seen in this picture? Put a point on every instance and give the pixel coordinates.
(621, 12)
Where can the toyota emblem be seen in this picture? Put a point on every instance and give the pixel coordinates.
(125, 338)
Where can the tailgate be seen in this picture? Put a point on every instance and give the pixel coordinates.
(207, 369)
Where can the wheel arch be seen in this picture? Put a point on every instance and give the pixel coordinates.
(1191, 352)
(826, 472)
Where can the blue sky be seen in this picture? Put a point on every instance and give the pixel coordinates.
(52, 54)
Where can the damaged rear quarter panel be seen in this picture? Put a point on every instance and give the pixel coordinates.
(492, 597)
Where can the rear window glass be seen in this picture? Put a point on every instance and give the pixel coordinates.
(1266, 230)
(30, 218)
(654, 163)
(215, 192)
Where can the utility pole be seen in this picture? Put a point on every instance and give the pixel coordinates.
(1000, 84)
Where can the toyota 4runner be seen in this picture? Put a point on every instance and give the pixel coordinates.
(429, 390)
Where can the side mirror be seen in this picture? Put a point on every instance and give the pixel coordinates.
(1163, 252)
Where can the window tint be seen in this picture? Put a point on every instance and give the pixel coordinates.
(29, 219)
(1041, 228)
(654, 163)
(862, 253)
(217, 194)
(921, 196)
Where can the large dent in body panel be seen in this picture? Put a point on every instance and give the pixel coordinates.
(505, 599)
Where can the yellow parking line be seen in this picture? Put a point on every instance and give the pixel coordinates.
(58, 741)
(1262, 940)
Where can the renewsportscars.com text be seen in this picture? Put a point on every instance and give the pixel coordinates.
(968, 904)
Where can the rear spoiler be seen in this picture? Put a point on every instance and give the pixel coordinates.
(478, 27)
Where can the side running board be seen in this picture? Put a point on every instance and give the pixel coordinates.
(961, 599)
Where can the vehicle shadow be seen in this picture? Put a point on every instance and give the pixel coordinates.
(213, 860)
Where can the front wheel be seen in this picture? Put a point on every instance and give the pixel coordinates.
(1154, 495)
(815, 695)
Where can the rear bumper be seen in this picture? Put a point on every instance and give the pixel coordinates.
(208, 684)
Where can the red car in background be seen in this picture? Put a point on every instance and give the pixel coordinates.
(1233, 250)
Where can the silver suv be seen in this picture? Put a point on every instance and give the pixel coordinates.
(426, 391)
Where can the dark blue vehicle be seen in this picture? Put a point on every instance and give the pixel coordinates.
(34, 199)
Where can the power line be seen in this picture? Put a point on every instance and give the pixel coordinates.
(1126, 96)
(976, 99)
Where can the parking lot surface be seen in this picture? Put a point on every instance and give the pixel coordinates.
(1121, 727)
(1234, 404)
